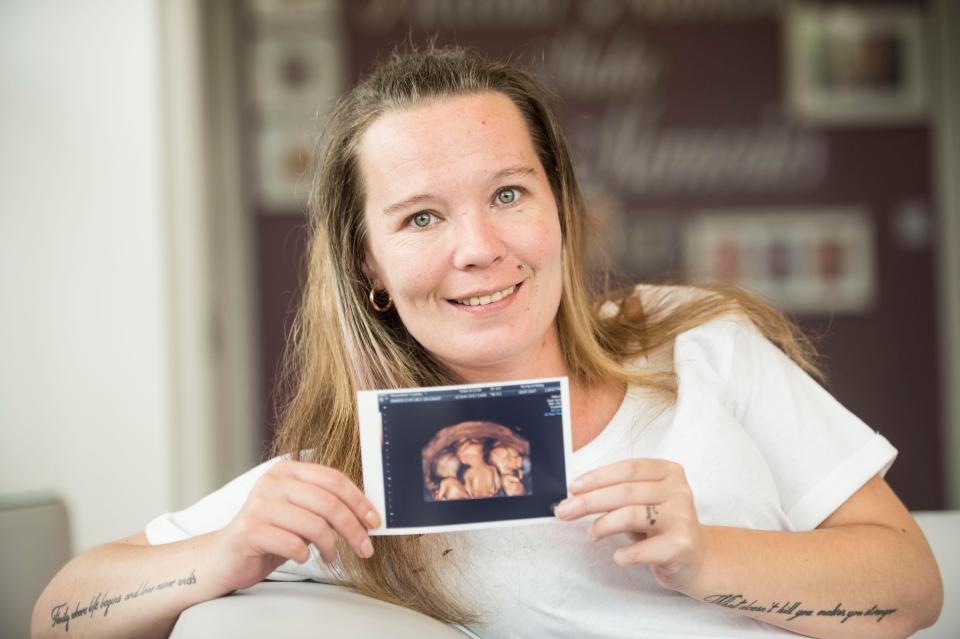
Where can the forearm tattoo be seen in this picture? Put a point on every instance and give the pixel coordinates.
(61, 615)
(796, 609)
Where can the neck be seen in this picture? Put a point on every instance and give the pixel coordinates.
(545, 359)
(591, 406)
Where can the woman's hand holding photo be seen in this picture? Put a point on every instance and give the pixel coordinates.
(293, 505)
(650, 501)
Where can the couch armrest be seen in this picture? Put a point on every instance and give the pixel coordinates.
(35, 531)
(303, 608)
(942, 529)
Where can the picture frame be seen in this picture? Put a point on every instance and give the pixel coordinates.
(285, 144)
(295, 13)
(297, 71)
(855, 64)
(810, 261)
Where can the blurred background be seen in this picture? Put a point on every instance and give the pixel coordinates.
(152, 207)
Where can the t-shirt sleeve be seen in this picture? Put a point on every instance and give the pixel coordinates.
(818, 452)
(216, 510)
(212, 512)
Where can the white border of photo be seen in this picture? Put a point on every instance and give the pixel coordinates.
(371, 444)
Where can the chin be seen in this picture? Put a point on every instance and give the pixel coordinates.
(475, 358)
(498, 349)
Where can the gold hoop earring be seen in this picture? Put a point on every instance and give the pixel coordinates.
(373, 302)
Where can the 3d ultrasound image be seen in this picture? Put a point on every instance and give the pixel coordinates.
(476, 460)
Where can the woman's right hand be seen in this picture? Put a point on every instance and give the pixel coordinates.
(292, 505)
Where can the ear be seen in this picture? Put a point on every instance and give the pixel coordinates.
(370, 269)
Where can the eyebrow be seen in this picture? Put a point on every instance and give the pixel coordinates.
(524, 171)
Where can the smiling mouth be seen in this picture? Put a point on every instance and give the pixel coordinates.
(483, 300)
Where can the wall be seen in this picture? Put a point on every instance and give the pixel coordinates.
(85, 384)
(947, 18)
(678, 113)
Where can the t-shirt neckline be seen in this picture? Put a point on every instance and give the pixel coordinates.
(597, 446)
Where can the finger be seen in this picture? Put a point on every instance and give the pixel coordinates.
(331, 509)
(335, 482)
(626, 470)
(308, 526)
(282, 543)
(652, 551)
(644, 519)
(608, 498)
(277, 490)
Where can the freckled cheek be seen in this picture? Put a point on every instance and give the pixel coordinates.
(544, 248)
(414, 278)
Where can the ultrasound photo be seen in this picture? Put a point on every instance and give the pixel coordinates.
(476, 460)
(460, 457)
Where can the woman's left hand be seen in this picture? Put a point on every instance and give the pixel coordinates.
(650, 501)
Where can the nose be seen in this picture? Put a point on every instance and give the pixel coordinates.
(477, 243)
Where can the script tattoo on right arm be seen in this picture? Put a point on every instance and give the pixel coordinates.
(62, 615)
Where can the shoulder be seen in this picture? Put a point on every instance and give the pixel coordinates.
(716, 348)
(212, 512)
(702, 332)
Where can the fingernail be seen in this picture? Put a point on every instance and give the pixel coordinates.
(563, 509)
(367, 548)
(593, 534)
(576, 485)
(372, 518)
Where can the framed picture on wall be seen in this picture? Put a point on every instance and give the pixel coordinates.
(850, 64)
(812, 261)
(295, 12)
(284, 152)
(296, 71)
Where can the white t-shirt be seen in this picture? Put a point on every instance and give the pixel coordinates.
(763, 446)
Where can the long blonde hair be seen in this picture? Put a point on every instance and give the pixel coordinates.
(339, 344)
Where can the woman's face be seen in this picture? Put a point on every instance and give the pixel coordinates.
(463, 230)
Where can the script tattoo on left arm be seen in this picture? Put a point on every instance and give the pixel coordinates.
(796, 609)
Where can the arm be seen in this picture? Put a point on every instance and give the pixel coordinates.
(127, 588)
(131, 589)
(868, 556)
(867, 571)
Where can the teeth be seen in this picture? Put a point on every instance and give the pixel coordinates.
(487, 299)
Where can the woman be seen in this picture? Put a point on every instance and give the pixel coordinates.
(718, 490)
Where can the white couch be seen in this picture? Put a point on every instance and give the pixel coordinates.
(289, 609)
(38, 525)
(34, 544)
(279, 609)
(942, 529)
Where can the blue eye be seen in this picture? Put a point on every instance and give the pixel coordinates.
(421, 220)
(508, 195)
